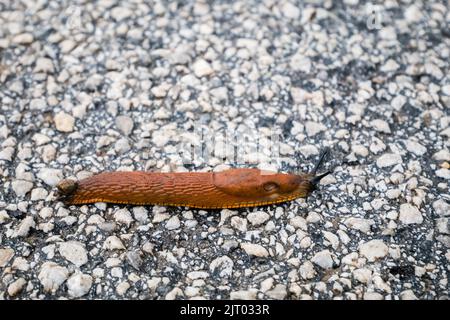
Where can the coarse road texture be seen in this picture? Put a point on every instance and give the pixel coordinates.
(110, 85)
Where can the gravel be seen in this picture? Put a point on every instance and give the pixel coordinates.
(79, 284)
(109, 85)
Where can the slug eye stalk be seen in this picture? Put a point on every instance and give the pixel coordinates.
(322, 157)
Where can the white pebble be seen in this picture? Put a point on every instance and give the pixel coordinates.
(64, 122)
(254, 249)
(373, 249)
(79, 284)
(409, 214)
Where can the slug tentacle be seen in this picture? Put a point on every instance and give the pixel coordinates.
(322, 157)
(323, 154)
(232, 188)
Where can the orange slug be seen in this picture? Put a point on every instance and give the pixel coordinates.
(233, 188)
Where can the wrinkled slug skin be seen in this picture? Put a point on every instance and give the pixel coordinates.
(227, 189)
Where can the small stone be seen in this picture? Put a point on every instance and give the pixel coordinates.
(244, 294)
(44, 65)
(307, 271)
(122, 288)
(389, 159)
(408, 295)
(373, 249)
(446, 89)
(46, 212)
(5, 255)
(113, 243)
(362, 275)
(24, 227)
(360, 150)
(239, 223)
(413, 14)
(79, 285)
(21, 264)
(373, 296)
(160, 91)
(257, 218)
(160, 138)
(278, 293)
(93, 82)
(323, 259)
(173, 223)
(40, 139)
(415, 147)
(7, 154)
(445, 240)
(122, 146)
(160, 217)
(123, 216)
(52, 276)
(16, 287)
(308, 150)
(442, 155)
(409, 214)
(202, 68)
(140, 214)
(301, 63)
(38, 194)
(443, 225)
(298, 223)
(74, 252)
(23, 38)
(313, 217)
(152, 283)
(360, 224)
(174, 294)
(253, 249)
(120, 13)
(393, 193)
(398, 102)
(180, 55)
(162, 113)
(21, 187)
(134, 258)
(194, 275)
(220, 94)
(125, 124)
(67, 45)
(331, 238)
(104, 141)
(64, 122)
(380, 125)
(443, 173)
(313, 128)
(222, 266)
(390, 66)
(290, 11)
(50, 176)
(441, 207)
(3, 216)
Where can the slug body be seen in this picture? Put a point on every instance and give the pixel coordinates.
(232, 188)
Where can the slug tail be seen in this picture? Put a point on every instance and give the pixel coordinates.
(66, 189)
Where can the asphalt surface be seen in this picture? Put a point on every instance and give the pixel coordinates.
(98, 86)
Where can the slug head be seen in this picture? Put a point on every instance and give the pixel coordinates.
(257, 185)
(270, 187)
